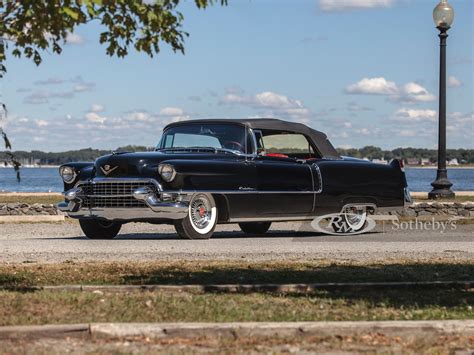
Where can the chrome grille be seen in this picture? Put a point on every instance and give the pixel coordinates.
(110, 194)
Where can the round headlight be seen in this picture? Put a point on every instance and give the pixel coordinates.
(67, 173)
(167, 172)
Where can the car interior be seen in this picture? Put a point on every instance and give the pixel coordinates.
(284, 145)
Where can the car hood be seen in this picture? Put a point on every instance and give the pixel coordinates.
(144, 164)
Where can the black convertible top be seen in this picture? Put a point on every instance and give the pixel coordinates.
(319, 139)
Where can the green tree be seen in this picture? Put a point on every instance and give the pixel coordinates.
(29, 27)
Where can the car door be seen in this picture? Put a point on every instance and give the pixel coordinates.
(285, 187)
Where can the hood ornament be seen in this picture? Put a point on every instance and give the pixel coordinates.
(107, 169)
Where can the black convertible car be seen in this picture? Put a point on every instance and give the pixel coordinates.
(248, 171)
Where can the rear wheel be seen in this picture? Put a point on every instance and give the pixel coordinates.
(98, 229)
(354, 219)
(201, 220)
(255, 227)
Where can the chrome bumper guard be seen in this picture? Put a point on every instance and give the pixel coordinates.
(160, 205)
(407, 197)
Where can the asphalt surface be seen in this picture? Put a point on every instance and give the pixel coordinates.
(58, 242)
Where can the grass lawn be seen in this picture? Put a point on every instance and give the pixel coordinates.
(43, 307)
(46, 307)
(230, 272)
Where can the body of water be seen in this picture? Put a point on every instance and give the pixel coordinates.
(48, 180)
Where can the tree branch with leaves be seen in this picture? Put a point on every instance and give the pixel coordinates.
(30, 27)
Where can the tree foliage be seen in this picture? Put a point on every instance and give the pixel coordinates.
(89, 154)
(30, 27)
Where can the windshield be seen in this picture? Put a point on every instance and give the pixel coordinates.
(226, 137)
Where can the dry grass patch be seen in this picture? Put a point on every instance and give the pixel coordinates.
(232, 272)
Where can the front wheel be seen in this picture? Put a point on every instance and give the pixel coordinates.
(201, 220)
(98, 229)
(255, 227)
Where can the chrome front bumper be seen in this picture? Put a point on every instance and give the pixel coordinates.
(156, 205)
(407, 200)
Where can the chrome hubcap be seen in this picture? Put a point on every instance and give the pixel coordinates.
(201, 212)
(355, 217)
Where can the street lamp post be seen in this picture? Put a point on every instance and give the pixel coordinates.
(443, 16)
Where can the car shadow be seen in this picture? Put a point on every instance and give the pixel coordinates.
(301, 235)
(220, 235)
(305, 273)
(405, 299)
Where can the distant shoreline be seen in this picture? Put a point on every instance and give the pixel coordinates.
(33, 167)
(407, 167)
(435, 167)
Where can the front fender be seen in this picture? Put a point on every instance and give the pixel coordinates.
(212, 174)
(83, 170)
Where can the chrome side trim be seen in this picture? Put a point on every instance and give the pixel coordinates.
(232, 192)
(320, 178)
(271, 219)
(312, 185)
(167, 211)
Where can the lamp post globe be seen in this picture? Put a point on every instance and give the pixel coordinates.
(443, 16)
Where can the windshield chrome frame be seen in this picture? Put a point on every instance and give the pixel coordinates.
(248, 130)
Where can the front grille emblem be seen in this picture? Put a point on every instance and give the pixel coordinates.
(107, 169)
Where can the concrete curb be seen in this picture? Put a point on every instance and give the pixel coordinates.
(31, 218)
(243, 329)
(58, 330)
(248, 288)
(281, 329)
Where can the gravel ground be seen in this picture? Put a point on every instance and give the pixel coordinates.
(65, 241)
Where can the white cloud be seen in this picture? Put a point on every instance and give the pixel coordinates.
(41, 123)
(42, 97)
(405, 132)
(272, 104)
(410, 93)
(95, 118)
(97, 108)
(139, 116)
(49, 81)
(364, 131)
(373, 86)
(354, 107)
(412, 115)
(72, 38)
(83, 87)
(171, 111)
(413, 92)
(462, 119)
(343, 5)
(454, 82)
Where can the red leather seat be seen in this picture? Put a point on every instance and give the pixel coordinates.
(276, 155)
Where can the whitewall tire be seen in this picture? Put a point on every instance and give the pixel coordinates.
(201, 220)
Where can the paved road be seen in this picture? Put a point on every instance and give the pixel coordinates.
(61, 242)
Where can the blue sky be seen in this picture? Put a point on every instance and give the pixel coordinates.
(363, 71)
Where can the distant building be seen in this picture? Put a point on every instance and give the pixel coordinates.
(425, 161)
(380, 161)
(453, 162)
(413, 161)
